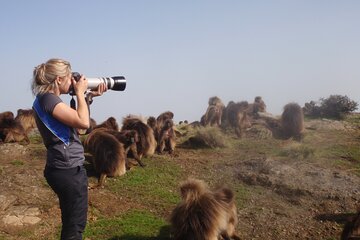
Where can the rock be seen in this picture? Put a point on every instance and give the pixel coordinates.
(12, 220)
(30, 220)
(6, 201)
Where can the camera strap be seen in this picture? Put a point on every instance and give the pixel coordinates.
(73, 103)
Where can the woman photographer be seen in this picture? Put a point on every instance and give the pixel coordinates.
(57, 123)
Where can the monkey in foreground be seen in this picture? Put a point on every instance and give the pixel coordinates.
(203, 214)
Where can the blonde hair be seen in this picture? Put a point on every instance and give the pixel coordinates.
(44, 75)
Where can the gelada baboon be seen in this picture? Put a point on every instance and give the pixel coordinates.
(236, 117)
(292, 121)
(108, 154)
(147, 143)
(130, 139)
(11, 130)
(290, 124)
(203, 214)
(257, 106)
(160, 120)
(26, 118)
(232, 110)
(109, 123)
(165, 132)
(5, 120)
(213, 114)
(167, 137)
(151, 122)
(242, 123)
(212, 117)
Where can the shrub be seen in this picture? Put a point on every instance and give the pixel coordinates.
(207, 137)
(335, 106)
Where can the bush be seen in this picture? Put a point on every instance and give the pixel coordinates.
(335, 106)
(207, 137)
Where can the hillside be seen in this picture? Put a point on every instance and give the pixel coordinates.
(284, 189)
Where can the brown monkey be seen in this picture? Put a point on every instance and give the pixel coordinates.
(213, 114)
(291, 123)
(151, 122)
(167, 137)
(242, 123)
(257, 106)
(130, 139)
(215, 101)
(108, 154)
(232, 110)
(6, 116)
(26, 118)
(109, 123)
(5, 120)
(147, 143)
(160, 120)
(237, 117)
(204, 214)
(11, 130)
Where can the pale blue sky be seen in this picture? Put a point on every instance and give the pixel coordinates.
(177, 54)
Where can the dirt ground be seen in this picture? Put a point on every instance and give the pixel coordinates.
(286, 198)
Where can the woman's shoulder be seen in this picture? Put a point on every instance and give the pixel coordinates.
(49, 97)
(49, 100)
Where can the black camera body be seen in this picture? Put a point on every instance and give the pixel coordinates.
(117, 83)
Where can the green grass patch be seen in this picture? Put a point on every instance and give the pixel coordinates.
(17, 163)
(35, 138)
(297, 151)
(347, 156)
(132, 225)
(154, 185)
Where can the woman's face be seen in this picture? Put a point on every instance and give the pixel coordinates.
(65, 83)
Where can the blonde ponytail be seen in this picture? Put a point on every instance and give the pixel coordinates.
(45, 74)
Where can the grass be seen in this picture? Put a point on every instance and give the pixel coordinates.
(134, 224)
(297, 151)
(17, 163)
(207, 137)
(153, 190)
(155, 184)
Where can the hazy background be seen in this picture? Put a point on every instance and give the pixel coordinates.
(177, 54)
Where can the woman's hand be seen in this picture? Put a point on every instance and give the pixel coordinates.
(81, 85)
(100, 90)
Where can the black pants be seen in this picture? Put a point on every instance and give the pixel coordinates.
(70, 185)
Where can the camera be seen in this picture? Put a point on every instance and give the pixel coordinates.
(117, 83)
